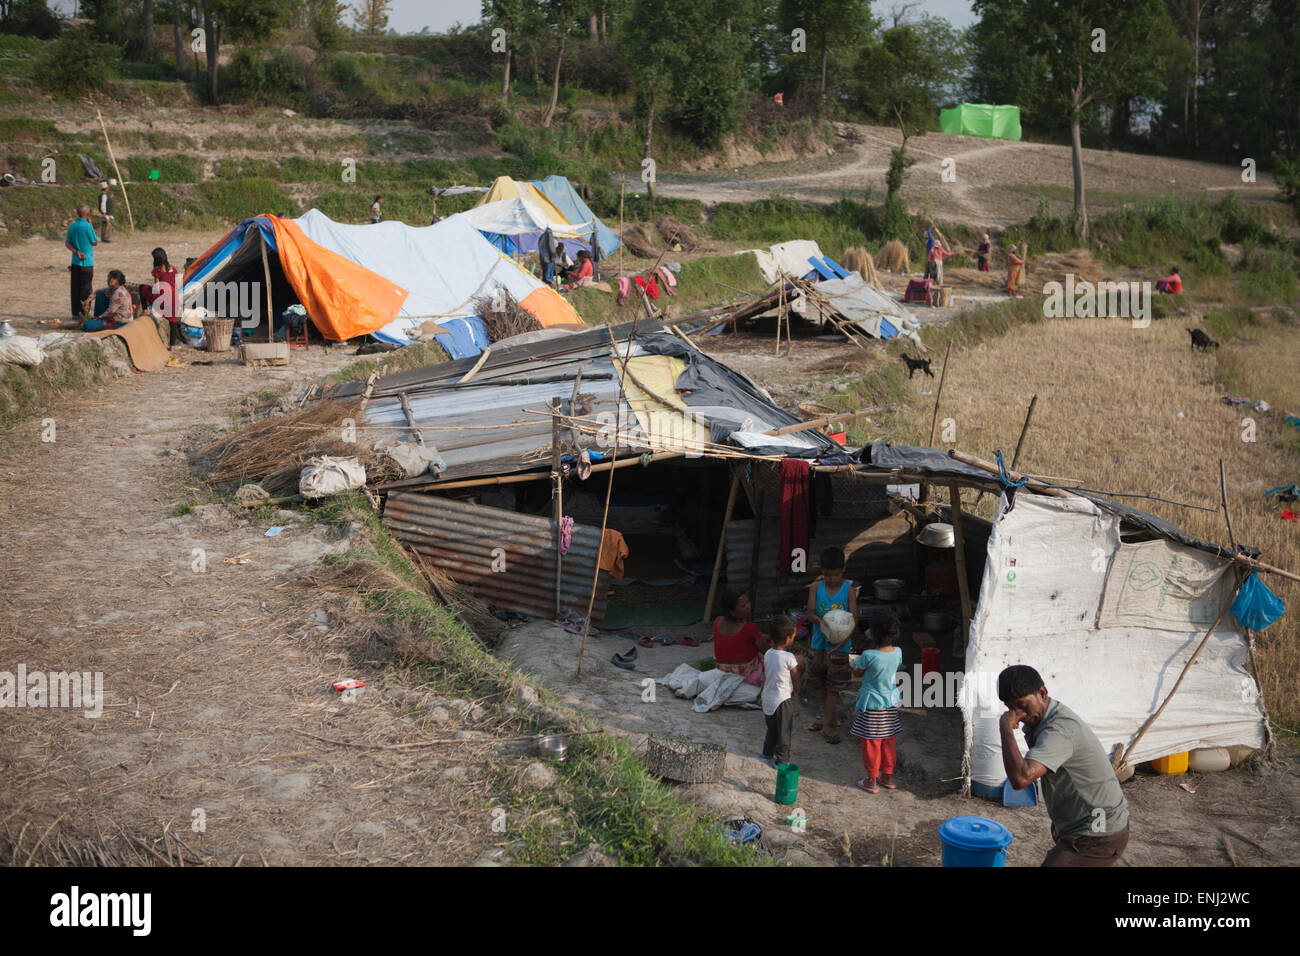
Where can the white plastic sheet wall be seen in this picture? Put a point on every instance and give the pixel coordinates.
(1048, 562)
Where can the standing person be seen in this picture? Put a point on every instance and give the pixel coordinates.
(81, 241)
(161, 295)
(830, 664)
(1087, 807)
(1014, 262)
(546, 255)
(782, 678)
(738, 643)
(876, 721)
(375, 214)
(106, 211)
(984, 252)
(596, 255)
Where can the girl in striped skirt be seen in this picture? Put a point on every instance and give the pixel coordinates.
(876, 722)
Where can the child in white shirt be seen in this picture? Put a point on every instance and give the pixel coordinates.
(782, 677)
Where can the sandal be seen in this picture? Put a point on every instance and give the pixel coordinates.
(816, 725)
(862, 785)
(831, 736)
(888, 786)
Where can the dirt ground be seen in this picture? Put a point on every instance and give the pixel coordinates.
(1258, 812)
(994, 179)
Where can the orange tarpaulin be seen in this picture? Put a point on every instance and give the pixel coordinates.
(550, 308)
(343, 299)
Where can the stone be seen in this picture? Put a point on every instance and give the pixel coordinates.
(440, 715)
(251, 494)
(457, 773)
(538, 776)
(528, 694)
(322, 617)
(592, 855)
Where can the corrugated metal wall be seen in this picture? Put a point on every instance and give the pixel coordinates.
(460, 539)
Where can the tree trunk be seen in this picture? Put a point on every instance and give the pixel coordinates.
(210, 42)
(593, 27)
(649, 133)
(148, 29)
(555, 86)
(182, 69)
(505, 82)
(1076, 154)
(604, 32)
(1196, 69)
(821, 92)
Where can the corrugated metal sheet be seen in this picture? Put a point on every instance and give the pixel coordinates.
(459, 538)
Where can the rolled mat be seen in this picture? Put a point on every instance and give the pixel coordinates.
(148, 354)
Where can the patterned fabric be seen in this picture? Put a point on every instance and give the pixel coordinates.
(876, 724)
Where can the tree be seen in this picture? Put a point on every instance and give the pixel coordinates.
(828, 25)
(238, 21)
(905, 73)
(371, 16)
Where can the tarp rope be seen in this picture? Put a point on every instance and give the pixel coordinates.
(1004, 477)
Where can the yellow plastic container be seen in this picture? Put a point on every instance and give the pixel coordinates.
(1173, 764)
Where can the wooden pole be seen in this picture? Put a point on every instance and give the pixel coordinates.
(975, 462)
(827, 419)
(622, 191)
(758, 539)
(722, 544)
(959, 543)
(557, 498)
(121, 183)
(266, 275)
(934, 419)
(1223, 499)
(1020, 442)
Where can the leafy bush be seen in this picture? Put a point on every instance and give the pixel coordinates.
(77, 64)
(254, 77)
(31, 18)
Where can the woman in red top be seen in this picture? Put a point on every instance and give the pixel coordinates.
(162, 294)
(581, 273)
(738, 643)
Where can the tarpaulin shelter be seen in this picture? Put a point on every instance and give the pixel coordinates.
(561, 192)
(867, 308)
(388, 279)
(515, 225)
(981, 119)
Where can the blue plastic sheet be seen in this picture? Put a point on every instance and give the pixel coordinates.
(1256, 606)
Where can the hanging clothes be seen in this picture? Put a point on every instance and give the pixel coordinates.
(613, 549)
(795, 510)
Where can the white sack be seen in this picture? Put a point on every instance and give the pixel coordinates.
(328, 476)
(20, 350)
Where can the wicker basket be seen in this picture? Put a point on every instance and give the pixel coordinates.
(217, 334)
(677, 759)
(810, 410)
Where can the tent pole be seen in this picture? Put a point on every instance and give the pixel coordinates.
(266, 272)
(959, 542)
(722, 544)
(758, 544)
(622, 190)
(1019, 442)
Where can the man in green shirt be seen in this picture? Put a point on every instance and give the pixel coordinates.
(81, 242)
(1088, 810)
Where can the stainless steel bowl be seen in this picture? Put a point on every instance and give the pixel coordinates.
(555, 747)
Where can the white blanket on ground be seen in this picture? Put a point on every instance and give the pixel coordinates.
(711, 689)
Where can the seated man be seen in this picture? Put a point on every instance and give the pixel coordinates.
(1171, 284)
(111, 307)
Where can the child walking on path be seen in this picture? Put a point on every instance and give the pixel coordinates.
(782, 675)
(876, 722)
(830, 664)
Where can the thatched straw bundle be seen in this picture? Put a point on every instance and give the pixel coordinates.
(502, 316)
(639, 243)
(857, 259)
(1054, 266)
(893, 257)
(676, 233)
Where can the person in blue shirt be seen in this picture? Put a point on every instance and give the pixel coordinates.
(876, 722)
(830, 665)
(81, 242)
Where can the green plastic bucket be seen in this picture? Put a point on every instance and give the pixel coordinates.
(787, 783)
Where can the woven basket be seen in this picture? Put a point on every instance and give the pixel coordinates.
(676, 759)
(217, 333)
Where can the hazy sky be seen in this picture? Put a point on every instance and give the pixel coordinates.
(408, 16)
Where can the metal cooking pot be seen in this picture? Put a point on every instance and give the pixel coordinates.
(888, 589)
(936, 621)
(554, 747)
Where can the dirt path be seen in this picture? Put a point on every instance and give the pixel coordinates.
(996, 182)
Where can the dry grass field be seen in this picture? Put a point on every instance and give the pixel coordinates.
(1137, 411)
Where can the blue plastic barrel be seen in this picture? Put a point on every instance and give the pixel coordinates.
(974, 841)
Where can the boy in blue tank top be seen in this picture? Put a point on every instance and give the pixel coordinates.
(830, 664)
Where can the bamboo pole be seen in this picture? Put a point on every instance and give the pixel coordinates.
(758, 543)
(266, 275)
(934, 419)
(827, 419)
(1223, 499)
(482, 358)
(722, 544)
(959, 542)
(1020, 442)
(622, 191)
(1036, 484)
(557, 499)
(121, 183)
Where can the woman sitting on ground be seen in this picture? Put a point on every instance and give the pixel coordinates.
(582, 274)
(1171, 284)
(738, 643)
(111, 307)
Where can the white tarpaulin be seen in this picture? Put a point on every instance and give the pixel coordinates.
(1165, 585)
(711, 689)
(865, 306)
(1049, 561)
(788, 257)
(445, 266)
(521, 217)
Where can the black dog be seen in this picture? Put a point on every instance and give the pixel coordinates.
(917, 365)
(1201, 341)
